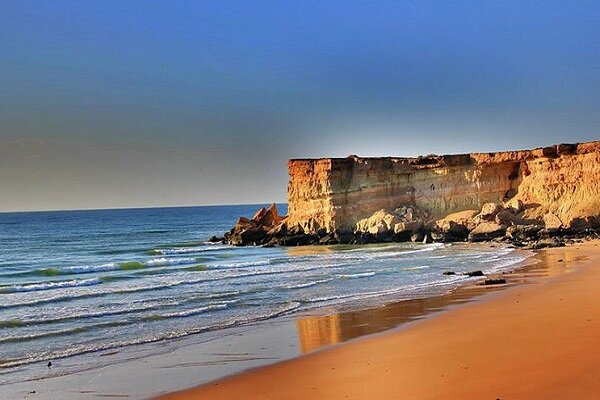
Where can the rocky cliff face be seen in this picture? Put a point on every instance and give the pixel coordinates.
(341, 194)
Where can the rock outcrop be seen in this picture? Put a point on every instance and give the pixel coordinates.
(335, 193)
(480, 196)
(256, 230)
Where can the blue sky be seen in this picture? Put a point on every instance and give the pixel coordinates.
(150, 103)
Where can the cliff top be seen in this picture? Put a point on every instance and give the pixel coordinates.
(434, 160)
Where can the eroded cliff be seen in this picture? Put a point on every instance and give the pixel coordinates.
(335, 194)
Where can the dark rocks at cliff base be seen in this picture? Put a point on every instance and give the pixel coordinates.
(455, 227)
(489, 211)
(448, 273)
(397, 225)
(474, 273)
(438, 237)
(494, 281)
(248, 235)
(269, 229)
(457, 231)
(522, 233)
(493, 223)
(255, 231)
(216, 239)
(328, 238)
(546, 243)
(505, 218)
(417, 237)
(552, 222)
(487, 231)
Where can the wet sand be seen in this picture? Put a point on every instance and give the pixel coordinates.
(535, 341)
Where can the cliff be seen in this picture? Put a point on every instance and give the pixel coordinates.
(336, 194)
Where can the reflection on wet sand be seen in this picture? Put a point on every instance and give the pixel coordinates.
(317, 331)
(323, 330)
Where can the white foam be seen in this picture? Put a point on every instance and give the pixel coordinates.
(194, 311)
(84, 269)
(358, 275)
(169, 261)
(50, 285)
(186, 250)
(365, 295)
(307, 284)
(244, 264)
(84, 348)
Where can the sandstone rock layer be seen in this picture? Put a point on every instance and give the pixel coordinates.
(560, 182)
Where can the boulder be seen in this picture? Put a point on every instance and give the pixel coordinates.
(364, 238)
(548, 233)
(244, 223)
(487, 231)
(464, 218)
(546, 243)
(377, 229)
(267, 217)
(495, 281)
(437, 236)
(343, 237)
(523, 232)
(252, 235)
(384, 225)
(407, 227)
(381, 222)
(457, 224)
(456, 231)
(514, 205)
(581, 224)
(295, 230)
(216, 239)
(295, 240)
(488, 211)
(551, 221)
(474, 273)
(505, 217)
(328, 239)
(417, 237)
(278, 230)
(259, 214)
(410, 213)
(266, 224)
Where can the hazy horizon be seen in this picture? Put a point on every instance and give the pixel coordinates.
(265, 202)
(110, 104)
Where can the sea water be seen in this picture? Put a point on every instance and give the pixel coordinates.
(75, 282)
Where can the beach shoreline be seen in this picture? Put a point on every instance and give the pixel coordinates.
(203, 360)
(523, 342)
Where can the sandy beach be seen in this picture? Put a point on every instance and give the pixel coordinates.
(533, 341)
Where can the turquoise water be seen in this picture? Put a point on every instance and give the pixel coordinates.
(82, 281)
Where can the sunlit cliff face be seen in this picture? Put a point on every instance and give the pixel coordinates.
(336, 193)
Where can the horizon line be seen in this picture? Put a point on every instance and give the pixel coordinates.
(139, 208)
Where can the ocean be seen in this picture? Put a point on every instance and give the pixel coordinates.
(74, 282)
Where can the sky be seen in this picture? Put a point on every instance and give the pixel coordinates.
(153, 103)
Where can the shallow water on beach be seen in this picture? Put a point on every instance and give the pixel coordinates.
(83, 281)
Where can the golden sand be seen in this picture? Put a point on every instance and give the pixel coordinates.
(536, 341)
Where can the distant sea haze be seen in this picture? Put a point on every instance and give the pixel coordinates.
(81, 281)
